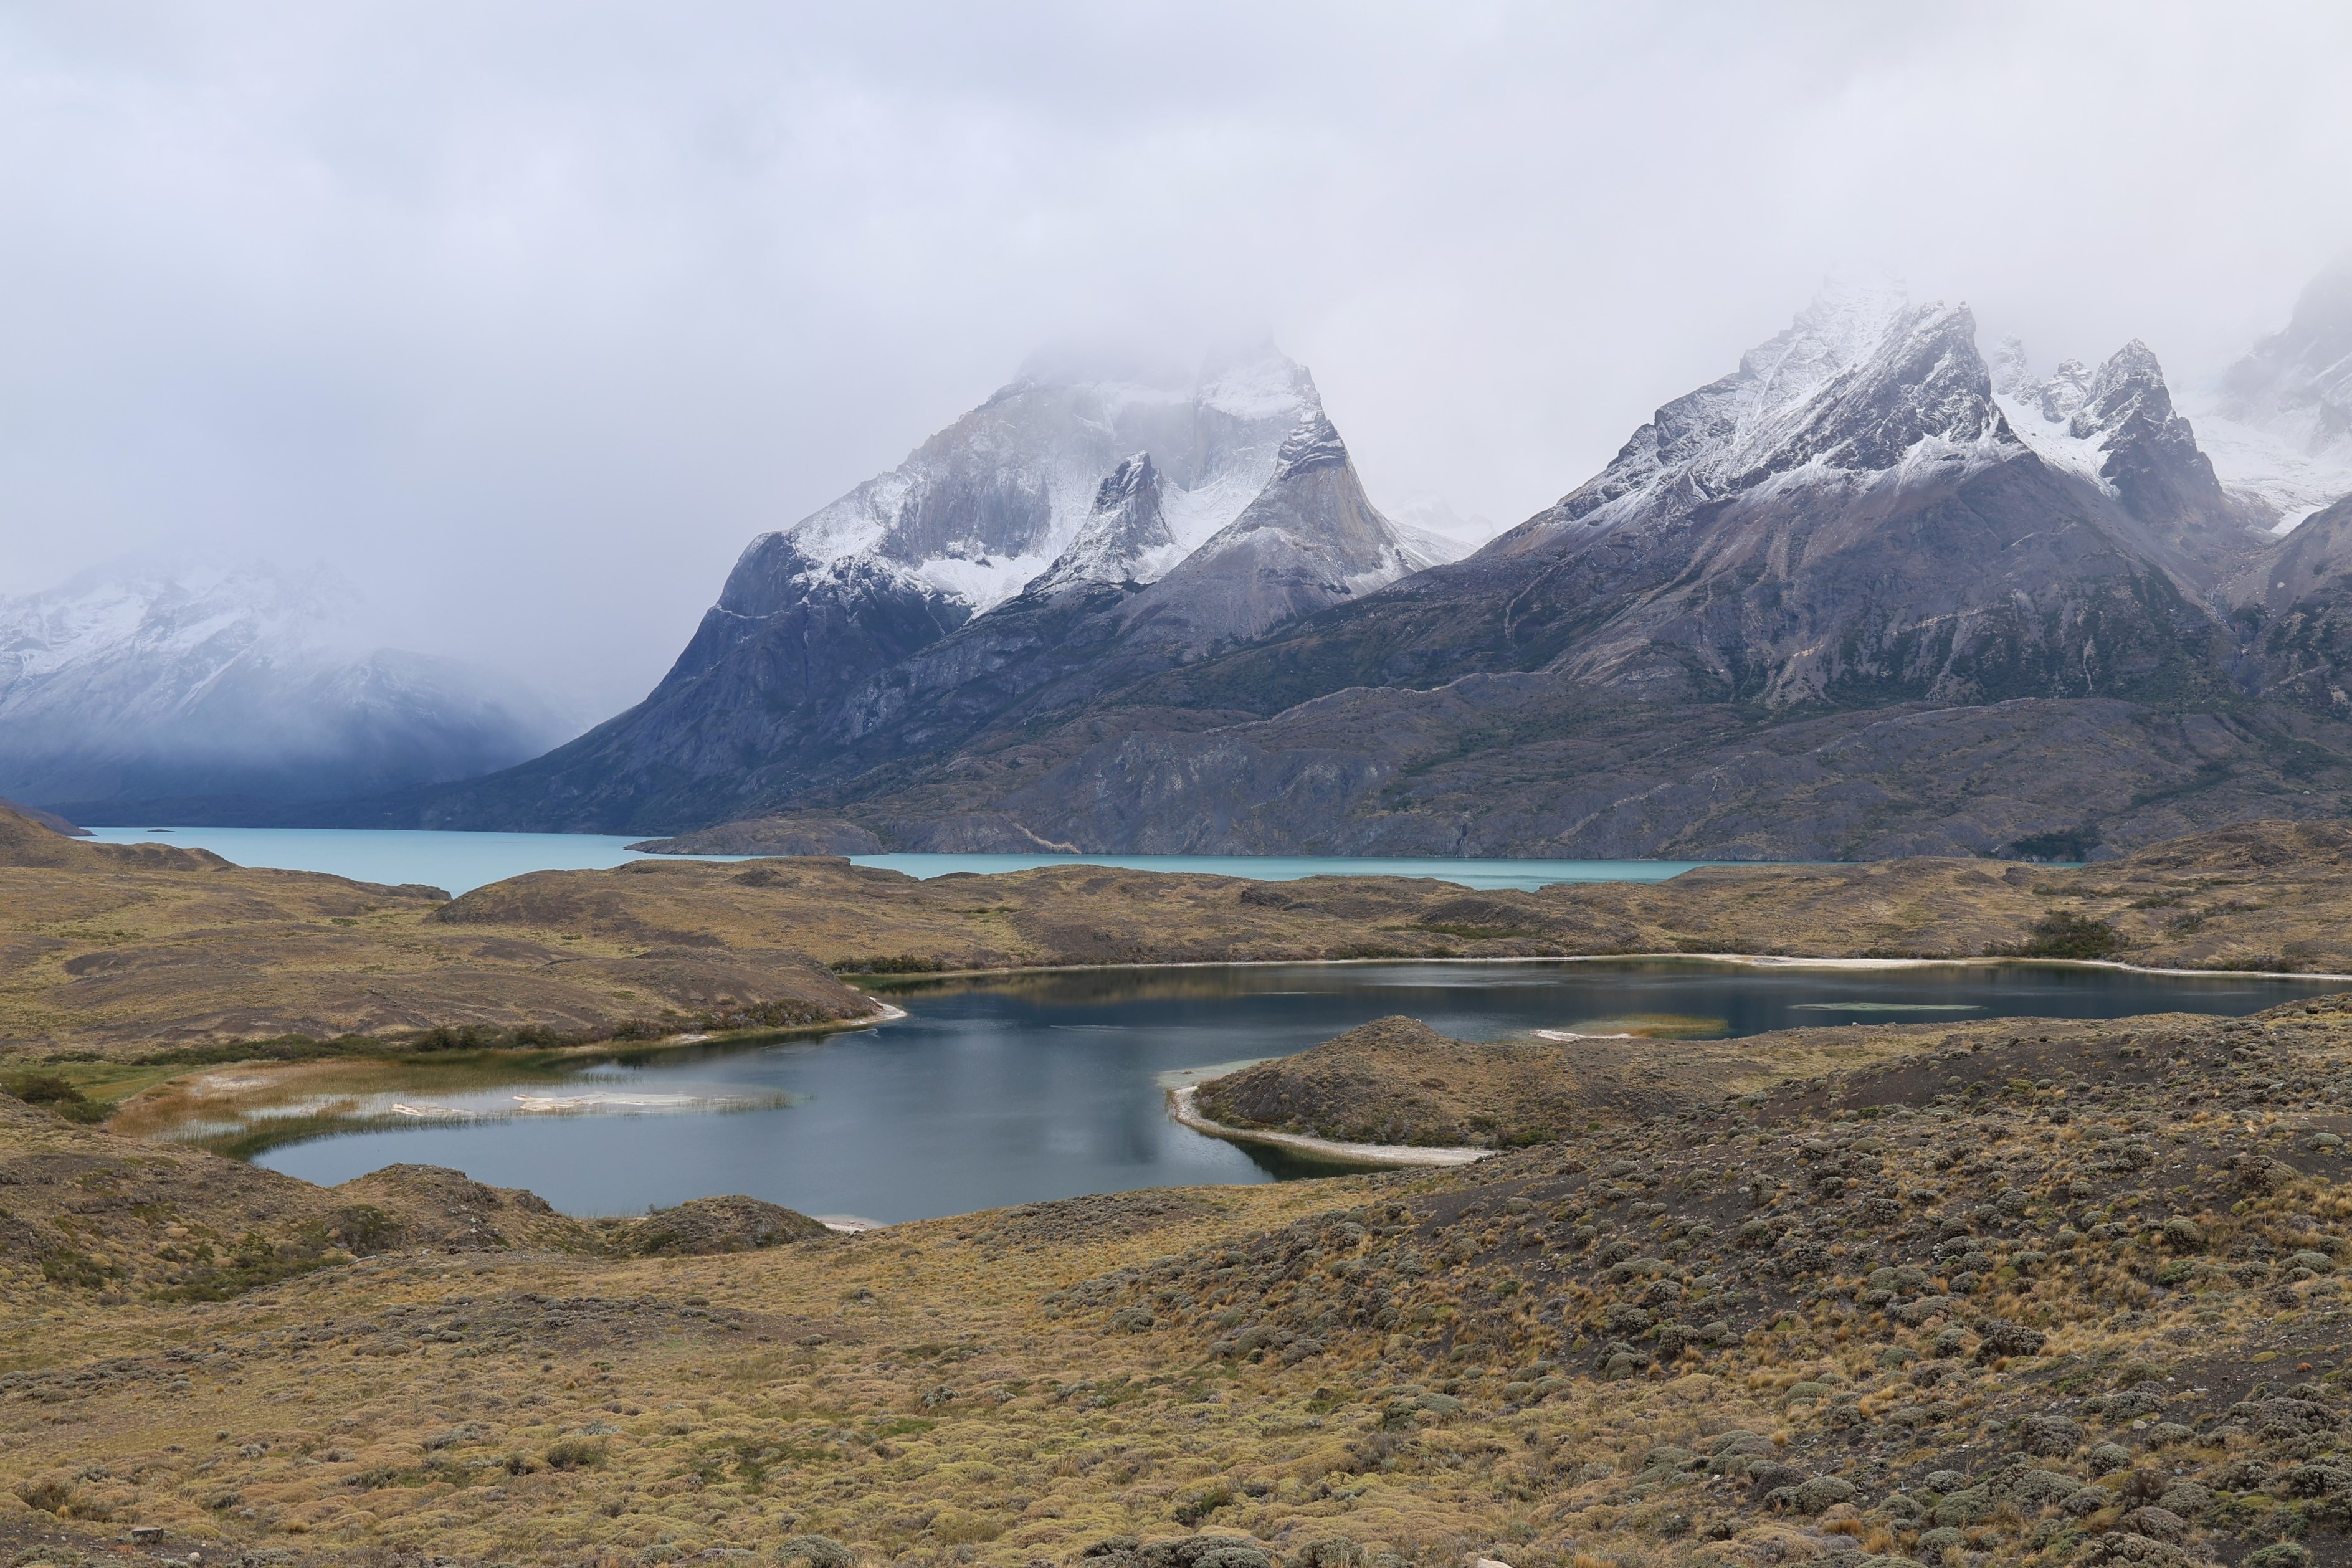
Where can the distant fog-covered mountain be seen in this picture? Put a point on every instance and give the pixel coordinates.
(205, 693)
(2278, 423)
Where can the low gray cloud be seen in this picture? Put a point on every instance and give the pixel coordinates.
(528, 316)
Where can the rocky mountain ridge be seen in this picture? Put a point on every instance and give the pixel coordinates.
(1866, 594)
(1106, 528)
(1850, 600)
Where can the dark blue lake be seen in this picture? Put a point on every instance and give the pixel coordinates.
(1036, 1087)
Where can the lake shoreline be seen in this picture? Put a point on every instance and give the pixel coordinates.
(890, 1013)
(1391, 1155)
(1749, 960)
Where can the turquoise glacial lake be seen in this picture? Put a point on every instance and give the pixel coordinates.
(460, 863)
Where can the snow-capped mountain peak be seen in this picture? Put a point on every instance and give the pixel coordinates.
(1310, 539)
(1861, 381)
(987, 506)
(2116, 429)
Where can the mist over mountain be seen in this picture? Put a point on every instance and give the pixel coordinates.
(1073, 527)
(1865, 594)
(2278, 421)
(1869, 592)
(202, 692)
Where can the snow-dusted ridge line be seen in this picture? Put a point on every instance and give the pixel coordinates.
(1057, 482)
(1859, 357)
(990, 505)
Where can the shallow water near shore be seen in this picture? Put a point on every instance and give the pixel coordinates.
(1025, 1088)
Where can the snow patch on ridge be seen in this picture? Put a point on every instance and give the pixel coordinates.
(1860, 379)
(2267, 470)
(2055, 441)
(989, 506)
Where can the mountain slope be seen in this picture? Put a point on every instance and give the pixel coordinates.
(1832, 604)
(1312, 538)
(207, 690)
(2118, 428)
(2295, 604)
(1121, 526)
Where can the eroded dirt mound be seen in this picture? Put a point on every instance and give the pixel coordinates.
(707, 1225)
(430, 1206)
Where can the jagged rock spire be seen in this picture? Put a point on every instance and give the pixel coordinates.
(1126, 539)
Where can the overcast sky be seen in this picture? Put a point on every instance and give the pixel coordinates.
(527, 317)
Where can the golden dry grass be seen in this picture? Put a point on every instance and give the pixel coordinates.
(1014, 1386)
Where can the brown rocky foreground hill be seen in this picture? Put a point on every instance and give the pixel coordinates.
(2261, 896)
(2016, 1292)
(129, 950)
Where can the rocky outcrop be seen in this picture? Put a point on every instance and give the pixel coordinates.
(703, 1226)
(1311, 540)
